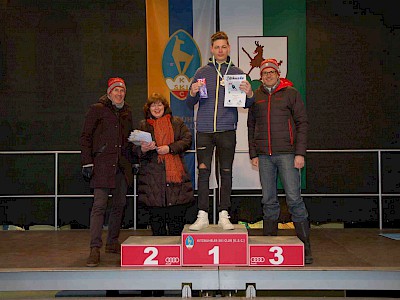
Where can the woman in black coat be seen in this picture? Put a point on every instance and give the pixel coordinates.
(164, 184)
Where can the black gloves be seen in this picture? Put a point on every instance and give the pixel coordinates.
(87, 172)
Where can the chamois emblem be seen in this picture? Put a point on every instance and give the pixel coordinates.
(180, 56)
(181, 59)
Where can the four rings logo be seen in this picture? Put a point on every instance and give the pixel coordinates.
(257, 259)
(171, 260)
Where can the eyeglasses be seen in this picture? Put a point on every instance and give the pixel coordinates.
(268, 73)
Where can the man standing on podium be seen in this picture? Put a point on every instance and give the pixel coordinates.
(106, 163)
(277, 134)
(216, 128)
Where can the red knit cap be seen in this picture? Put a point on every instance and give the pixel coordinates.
(115, 82)
(269, 63)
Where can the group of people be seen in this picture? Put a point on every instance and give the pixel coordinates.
(277, 137)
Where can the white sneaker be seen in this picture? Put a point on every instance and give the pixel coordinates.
(224, 221)
(201, 222)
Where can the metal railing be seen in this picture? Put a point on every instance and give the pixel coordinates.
(56, 195)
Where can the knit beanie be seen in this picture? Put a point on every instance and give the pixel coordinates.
(270, 63)
(115, 82)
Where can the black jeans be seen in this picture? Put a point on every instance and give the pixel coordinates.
(225, 144)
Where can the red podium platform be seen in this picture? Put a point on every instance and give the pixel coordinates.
(151, 251)
(275, 251)
(351, 259)
(212, 246)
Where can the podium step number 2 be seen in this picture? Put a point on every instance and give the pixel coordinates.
(149, 251)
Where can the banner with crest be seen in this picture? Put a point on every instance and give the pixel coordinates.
(178, 33)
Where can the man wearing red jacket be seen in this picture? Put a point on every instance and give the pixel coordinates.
(277, 132)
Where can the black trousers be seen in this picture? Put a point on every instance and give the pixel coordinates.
(168, 220)
(225, 144)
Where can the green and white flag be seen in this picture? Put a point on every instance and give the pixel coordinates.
(278, 28)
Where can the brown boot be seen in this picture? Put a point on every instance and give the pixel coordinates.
(113, 248)
(94, 257)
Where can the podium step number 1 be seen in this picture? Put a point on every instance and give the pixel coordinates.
(214, 246)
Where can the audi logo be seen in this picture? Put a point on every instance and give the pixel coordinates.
(171, 260)
(257, 259)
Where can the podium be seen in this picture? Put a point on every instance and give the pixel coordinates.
(212, 246)
(275, 251)
(151, 251)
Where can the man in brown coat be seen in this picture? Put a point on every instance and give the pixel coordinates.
(106, 164)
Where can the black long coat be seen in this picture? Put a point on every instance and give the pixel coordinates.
(153, 190)
(104, 142)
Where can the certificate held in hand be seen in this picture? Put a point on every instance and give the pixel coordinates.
(138, 136)
(234, 96)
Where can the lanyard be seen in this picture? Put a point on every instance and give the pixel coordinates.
(219, 73)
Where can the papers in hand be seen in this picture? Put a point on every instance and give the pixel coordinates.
(234, 96)
(138, 136)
